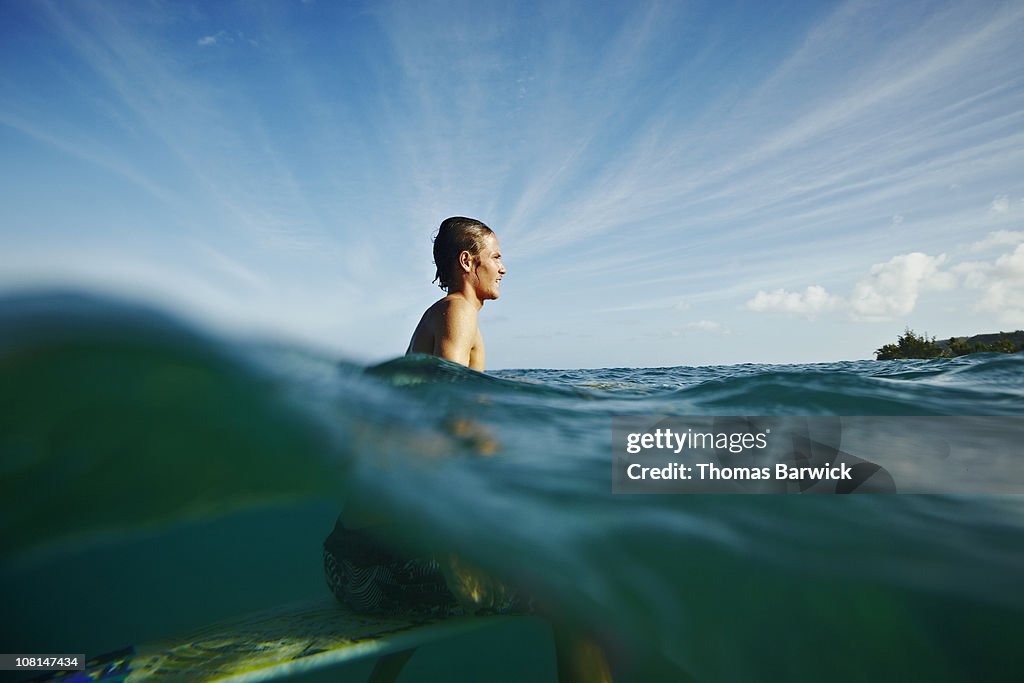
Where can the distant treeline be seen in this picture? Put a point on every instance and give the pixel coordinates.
(911, 345)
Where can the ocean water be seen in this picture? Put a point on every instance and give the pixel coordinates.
(155, 477)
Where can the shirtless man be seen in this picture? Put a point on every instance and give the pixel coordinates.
(469, 269)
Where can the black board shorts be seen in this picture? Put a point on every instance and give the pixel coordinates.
(370, 579)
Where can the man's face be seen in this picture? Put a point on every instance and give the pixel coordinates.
(488, 269)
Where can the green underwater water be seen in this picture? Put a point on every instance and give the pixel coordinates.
(154, 477)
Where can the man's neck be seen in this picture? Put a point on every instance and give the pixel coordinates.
(469, 294)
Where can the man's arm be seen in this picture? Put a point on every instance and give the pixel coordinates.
(458, 332)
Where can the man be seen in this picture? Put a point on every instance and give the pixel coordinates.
(469, 269)
(361, 570)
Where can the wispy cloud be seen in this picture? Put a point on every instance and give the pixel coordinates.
(231, 267)
(656, 157)
(223, 37)
(707, 326)
(868, 151)
(91, 152)
(669, 304)
(189, 116)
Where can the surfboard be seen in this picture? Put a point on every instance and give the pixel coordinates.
(277, 643)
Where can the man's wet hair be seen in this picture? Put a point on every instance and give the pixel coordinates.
(456, 235)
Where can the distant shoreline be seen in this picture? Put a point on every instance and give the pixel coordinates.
(990, 339)
(912, 345)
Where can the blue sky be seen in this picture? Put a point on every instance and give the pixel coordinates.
(672, 183)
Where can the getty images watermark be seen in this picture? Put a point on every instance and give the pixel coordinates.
(817, 454)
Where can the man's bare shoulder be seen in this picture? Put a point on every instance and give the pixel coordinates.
(453, 308)
(449, 329)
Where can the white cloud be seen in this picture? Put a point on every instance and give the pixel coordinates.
(1001, 204)
(999, 238)
(206, 41)
(1011, 266)
(891, 289)
(974, 273)
(1001, 284)
(812, 301)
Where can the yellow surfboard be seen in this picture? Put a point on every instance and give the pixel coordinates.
(278, 643)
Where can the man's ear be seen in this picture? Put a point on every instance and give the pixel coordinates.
(466, 261)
